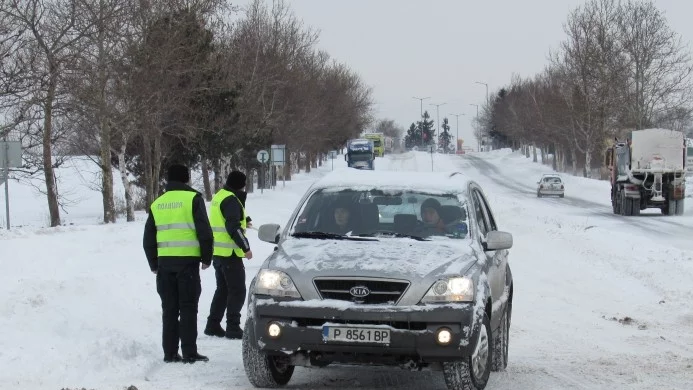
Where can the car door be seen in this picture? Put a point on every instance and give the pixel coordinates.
(497, 260)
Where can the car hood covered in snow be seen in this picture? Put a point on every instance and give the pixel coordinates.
(396, 258)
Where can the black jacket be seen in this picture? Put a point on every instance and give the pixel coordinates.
(232, 212)
(202, 226)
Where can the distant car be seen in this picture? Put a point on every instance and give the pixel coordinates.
(381, 287)
(550, 185)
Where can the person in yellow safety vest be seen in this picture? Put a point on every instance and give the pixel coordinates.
(229, 223)
(177, 238)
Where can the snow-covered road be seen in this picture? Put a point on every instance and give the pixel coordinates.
(600, 301)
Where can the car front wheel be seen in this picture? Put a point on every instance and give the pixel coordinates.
(473, 372)
(262, 370)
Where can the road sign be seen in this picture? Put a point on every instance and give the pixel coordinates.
(10, 157)
(10, 151)
(262, 156)
(333, 154)
(278, 155)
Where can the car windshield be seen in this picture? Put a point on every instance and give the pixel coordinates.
(552, 180)
(376, 213)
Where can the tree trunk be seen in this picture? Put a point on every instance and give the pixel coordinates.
(588, 164)
(554, 162)
(109, 214)
(534, 153)
(205, 180)
(156, 166)
(129, 204)
(307, 161)
(148, 169)
(218, 181)
(573, 156)
(287, 165)
(544, 156)
(51, 185)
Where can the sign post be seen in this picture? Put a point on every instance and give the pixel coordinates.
(262, 157)
(279, 159)
(10, 157)
(432, 147)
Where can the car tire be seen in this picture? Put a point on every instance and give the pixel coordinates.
(501, 343)
(561, 195)
(466, 374)
(262, 370)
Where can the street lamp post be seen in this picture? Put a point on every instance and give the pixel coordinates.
(438, 114)
(421, 115)
(479, 82)
(457, 117)
(477, 120)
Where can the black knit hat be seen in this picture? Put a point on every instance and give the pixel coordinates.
(178, 172)
(431, 203)
(236, 180)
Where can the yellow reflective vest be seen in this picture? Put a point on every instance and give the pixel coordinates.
(175, 226)
(223, 243)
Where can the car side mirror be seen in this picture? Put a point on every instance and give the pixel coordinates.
(269, 232)
(496, 240)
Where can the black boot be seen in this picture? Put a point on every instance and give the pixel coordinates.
(214, 330)
(234, 332)
(173, 359)
(195, 358)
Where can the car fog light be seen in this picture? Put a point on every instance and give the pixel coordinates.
(274, 330)
(443, 336)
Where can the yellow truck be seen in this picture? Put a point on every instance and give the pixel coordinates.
(378, 143)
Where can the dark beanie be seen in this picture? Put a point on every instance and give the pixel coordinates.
(431, 203)
(178, 172)
(236, 180)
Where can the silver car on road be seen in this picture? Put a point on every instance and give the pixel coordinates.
(405, 269)
(550, 185)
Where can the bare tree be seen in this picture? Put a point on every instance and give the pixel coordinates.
(659, 66)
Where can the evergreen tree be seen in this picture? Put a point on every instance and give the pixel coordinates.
(444, 137)
(425, 126)
(413, 137)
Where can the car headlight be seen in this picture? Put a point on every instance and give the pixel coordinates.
(457, 289)
(276, 284)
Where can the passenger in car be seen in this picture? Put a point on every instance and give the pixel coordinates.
(430, 215)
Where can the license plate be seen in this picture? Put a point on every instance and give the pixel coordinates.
(356, 335)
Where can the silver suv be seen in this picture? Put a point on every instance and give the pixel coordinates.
(373, 270)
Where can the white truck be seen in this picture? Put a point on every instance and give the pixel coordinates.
(648, 171)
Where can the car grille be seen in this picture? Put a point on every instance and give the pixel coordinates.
(381, 291)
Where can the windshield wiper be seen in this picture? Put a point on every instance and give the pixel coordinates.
(325, 235)
(393, 234)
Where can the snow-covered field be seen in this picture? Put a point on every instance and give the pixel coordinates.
(600, 301)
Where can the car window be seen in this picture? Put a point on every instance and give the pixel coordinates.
(552, 180)
(351, 211)
(479, 212)
(491, 223)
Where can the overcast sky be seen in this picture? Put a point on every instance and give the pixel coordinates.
(440, 48)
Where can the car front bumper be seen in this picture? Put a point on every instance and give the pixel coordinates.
(412, 331)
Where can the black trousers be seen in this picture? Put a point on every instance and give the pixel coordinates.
(230, 293)
(179, 288)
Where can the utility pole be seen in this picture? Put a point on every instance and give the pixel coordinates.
(421, 115)
(438, 114)
(457, 116)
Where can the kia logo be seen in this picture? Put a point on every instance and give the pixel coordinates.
(359, 291)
